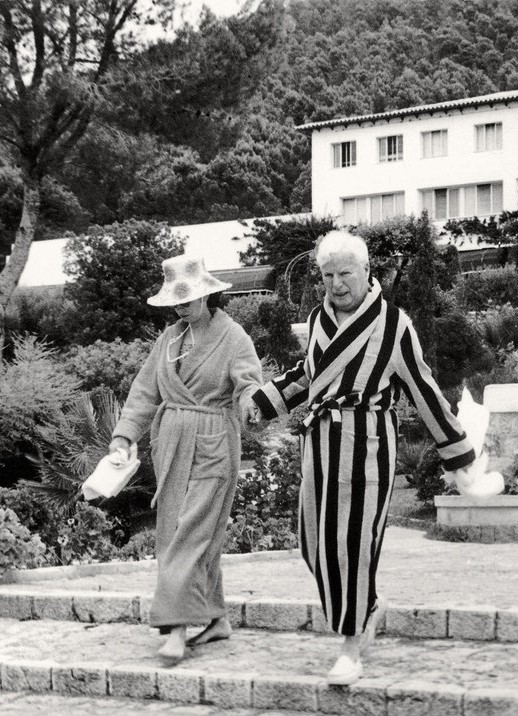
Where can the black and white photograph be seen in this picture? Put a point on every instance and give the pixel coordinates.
(259, 357)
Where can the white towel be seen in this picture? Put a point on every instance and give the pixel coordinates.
(112, 474)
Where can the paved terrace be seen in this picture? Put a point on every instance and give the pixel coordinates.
(449, 647)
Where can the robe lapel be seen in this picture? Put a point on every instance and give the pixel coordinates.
(349, 338)
(175, 385)
(204, 347)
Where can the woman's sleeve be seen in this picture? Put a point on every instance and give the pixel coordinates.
(245, 373)
(452, 444)
(142, 401)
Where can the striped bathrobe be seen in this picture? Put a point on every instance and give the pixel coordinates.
(351, 380)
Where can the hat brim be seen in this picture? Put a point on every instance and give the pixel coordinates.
(164, 298)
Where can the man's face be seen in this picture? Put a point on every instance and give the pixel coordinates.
(346, 280)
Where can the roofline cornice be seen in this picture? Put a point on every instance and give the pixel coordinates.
(503, 98)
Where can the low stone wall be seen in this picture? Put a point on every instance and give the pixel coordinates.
(465, 519)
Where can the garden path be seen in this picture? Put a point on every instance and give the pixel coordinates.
(413, 570)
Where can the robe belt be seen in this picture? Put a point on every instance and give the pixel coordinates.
(196, 408)
(333, 407)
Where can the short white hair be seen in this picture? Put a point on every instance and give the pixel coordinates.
(340, 243)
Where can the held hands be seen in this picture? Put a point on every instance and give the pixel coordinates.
(252, 416)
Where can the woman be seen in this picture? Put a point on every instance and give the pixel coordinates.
(195, 383)
(361, 350)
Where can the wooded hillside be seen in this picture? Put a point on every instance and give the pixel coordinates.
(202, 128)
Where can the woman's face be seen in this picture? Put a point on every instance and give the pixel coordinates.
(346, 280)
(192, 311)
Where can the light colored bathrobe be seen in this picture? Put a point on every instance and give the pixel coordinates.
(195, 439)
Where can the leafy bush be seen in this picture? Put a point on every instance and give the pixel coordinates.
(140, 546)
(278, 242)
(18, 547)
(267, 320)
(409, 457)
(505, 370)
(43, 312)
(105, 365)
(460, 350)
(492, 286)
(86, 536)
(34, 514)
(428, 476)
(115, 269)
(31, 386)
(498, 326)
(248, 532)
(71, 442)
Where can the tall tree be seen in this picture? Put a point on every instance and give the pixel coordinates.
(55, 62)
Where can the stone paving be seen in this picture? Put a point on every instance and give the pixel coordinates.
(12, 703)
(413, 570)
(481, 663)
(461, 661)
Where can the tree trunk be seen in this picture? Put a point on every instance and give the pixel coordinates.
(11, 273)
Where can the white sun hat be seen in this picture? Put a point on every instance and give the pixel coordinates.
(185, 279)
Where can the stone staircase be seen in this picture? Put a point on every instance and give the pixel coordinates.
(427, 661)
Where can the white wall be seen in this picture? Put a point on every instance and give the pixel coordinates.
(462, 165)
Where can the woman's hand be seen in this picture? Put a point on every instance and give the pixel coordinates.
(120, 443)
(253, 415)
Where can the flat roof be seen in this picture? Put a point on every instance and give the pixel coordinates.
(219, 243)
(455, 104)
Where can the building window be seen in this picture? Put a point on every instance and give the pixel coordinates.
(434, 144)
(488, 137)
(456, 201)
(344, 154)
(373, 208)
(390, 149)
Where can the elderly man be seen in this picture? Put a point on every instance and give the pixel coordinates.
(361, 351)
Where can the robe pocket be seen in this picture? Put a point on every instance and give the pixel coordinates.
(211, 457)
(359, 461)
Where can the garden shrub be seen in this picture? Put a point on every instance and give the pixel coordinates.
(267, 320)
(86, 536)
(492, 286)
(498, 326)
(18, 547)
(112, 365)
(33, 513)
(265, 509)
(249, 532)
(114, 270)
(428, 476)
(141, 545)
(460, 350)
(32, 385)
(505, 370)
(43, 312)
(71, 442)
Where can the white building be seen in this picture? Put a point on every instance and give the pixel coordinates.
(455, 159)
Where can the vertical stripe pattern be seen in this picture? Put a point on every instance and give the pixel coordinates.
(348, 466)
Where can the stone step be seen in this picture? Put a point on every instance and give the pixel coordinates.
(14, 703)
(421, 622)
(260, 670)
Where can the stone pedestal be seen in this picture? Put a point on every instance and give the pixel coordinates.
(501, 443)
(494, 519)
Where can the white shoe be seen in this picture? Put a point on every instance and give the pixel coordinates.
(369, 634)
(345, 672)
